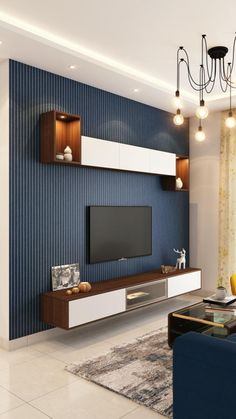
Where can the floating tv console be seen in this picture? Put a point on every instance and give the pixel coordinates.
(108, 298)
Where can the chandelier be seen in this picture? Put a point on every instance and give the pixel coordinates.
(212, 63)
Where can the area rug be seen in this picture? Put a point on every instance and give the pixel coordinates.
(140, 370)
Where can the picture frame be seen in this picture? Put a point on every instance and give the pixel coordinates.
(65, 276)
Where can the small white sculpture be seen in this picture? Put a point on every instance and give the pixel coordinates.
(68, 154)
(181, 261)
(179, 183)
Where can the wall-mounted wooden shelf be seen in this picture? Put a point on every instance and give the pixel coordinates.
(182, 171)
(58, 130)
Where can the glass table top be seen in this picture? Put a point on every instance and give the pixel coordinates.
(204, 313)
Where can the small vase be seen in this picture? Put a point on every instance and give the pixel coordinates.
(68, 156)
(221, 293)
(179, 183)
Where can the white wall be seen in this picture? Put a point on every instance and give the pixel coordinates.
(4, 202)
(204, 191)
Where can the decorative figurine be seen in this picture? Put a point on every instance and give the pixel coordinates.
(85, 287)
(179, 183)
(181, 261)
(68, 154)
(166, 269)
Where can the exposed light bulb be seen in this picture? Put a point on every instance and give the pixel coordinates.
(177, 102)
(178, 118)
(230, 121)
(202, 112)
(200, 134)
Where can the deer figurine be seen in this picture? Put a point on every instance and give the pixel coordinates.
(181, 261)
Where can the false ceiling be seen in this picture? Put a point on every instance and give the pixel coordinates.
(127, 47)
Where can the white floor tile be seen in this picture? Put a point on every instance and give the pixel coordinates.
(143, 413)
(83, 400)
(19, 356)
(35, 378)
(24, 412)
(8, 401)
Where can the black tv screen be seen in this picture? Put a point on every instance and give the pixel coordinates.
(119, 232)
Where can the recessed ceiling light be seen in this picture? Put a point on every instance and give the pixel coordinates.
(72, 67)
(135, 90)
(0, 42)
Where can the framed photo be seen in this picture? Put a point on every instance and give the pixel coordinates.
(65, 276)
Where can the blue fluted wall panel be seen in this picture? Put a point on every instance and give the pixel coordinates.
(48, 203)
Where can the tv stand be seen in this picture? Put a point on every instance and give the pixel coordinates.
(115, 296)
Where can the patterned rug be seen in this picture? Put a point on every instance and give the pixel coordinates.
(140, 370)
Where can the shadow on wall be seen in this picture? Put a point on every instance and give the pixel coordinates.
(193, 233)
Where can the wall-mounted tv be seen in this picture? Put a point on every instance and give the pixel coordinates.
(119, 232)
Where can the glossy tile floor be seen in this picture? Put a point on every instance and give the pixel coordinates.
(34, 384)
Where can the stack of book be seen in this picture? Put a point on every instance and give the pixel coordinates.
(228, 304)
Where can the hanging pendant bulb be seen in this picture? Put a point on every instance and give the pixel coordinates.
(178, 118)
(202, 111)
(230, 121)
(200, 134)
(177, 102)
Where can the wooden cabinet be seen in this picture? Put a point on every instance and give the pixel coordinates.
(58, 130)
(115, 296)
(182, 171)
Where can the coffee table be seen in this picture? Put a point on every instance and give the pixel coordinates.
(199, 318)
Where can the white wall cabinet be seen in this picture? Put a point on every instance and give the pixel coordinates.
(134, 158)
(162, 163)
(88, 309)
(113, 155)
(185, 283)
(100, 153)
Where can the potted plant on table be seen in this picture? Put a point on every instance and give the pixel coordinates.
(221, 291)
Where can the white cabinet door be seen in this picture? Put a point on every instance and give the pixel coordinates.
(184, 283)
(99, 153)
(96, 307)
(162, 163)
(134, 158)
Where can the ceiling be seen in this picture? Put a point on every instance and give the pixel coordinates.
(127, 47)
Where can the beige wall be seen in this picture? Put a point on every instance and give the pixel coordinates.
(204, 187)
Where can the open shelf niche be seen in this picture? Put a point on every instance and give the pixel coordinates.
(182, 170)
(58, 130)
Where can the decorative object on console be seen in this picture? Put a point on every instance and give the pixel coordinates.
(179, 183)
(69, 292)
(68, 154)
(65, 276)
(221, 293)
(181, 261)
(85, 287)
(166, 269)
(75, 290)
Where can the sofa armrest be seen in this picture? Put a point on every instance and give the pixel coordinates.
(204, 377)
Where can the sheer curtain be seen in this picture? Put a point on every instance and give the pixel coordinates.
(227, 203)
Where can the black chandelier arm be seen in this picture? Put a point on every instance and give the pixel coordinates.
(196, 86)
(206, 57)
(227, 77)
(223, 88)
(212, 81)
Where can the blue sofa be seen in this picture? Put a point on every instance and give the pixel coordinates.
(204, 377)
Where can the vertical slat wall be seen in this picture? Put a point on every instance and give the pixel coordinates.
(48, 203)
